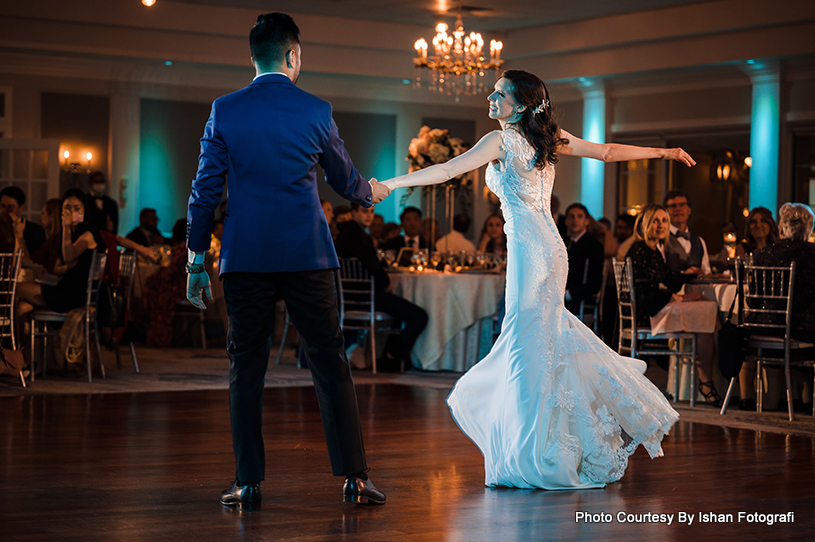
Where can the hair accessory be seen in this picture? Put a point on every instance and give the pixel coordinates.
(543, 105)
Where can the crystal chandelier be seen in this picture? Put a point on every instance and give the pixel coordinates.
(457, 65)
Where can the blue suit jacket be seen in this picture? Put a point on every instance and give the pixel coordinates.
(268, 139)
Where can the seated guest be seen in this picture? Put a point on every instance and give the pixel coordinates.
(625, 246)
(103, 211)
(375, 229)
(166, 288)
(79, 239)
(353, 242)
(328, 211)
(585, 258)
(795, 221)
(656, 286)
(390, 230)
(684, 250)
(760, 232)
(147, 234)
(411, 219)
(624, 227)
(48, 254)
(431, 230)
(342, 213)
(493, 238)
(455, 240)
(12, 205)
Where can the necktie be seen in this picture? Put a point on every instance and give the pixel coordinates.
(683, 234)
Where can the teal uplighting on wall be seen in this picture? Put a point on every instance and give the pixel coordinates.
(593, 171)
(764, 142)
(169, 144)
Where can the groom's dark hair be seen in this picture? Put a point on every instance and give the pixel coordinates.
(270, 38)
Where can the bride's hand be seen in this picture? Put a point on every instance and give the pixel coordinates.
(679, 155)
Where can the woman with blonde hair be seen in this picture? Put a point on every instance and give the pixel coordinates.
(656, 286)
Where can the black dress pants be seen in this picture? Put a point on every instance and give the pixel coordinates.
(311, 300)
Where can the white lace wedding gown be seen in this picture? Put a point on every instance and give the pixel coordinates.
(551, 406)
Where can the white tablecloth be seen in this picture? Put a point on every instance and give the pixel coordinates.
(460, 309)
(690, 316)
(722, 293)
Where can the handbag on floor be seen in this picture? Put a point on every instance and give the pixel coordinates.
(110, 305)
(11, 361)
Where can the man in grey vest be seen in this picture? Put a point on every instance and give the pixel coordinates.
(684, 251)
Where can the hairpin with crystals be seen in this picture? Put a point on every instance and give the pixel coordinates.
(543, 105)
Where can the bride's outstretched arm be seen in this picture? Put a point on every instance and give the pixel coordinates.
(485, 151)
(614, 152)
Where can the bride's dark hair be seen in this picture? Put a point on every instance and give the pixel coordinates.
(540, 129)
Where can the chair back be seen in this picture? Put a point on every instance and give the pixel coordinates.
(127, 273)
(9, 271)
(356, 289)
(95, 274)
(767, 293)
(626, 298)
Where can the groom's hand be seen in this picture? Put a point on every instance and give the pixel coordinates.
(198, 283)
(379, 190)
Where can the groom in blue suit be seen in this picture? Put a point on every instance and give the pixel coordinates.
(269, 138)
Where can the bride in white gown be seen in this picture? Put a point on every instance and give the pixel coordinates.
(551, 406)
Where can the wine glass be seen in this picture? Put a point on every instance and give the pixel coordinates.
(390, 257)
(435, 259)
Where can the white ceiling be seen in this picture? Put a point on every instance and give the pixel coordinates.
(483, 15)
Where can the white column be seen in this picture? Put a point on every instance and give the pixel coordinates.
(592, 172)
(765, 126)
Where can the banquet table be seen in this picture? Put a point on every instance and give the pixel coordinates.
(460, 308)
(695, 316)
(723, 292)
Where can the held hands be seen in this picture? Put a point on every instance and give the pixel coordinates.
(196, 284)
(679, 155)
(380, 191)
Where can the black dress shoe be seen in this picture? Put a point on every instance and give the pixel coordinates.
(361, 491)
(244, 497)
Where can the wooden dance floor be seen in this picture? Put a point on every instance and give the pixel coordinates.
(150, 466)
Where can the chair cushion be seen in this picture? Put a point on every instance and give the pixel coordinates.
(48, 316)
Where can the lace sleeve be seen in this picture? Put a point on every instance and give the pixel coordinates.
(485, 151)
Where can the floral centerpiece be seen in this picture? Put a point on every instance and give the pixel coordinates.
(433, 147)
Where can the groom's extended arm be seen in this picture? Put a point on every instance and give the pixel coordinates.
(340, 172)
